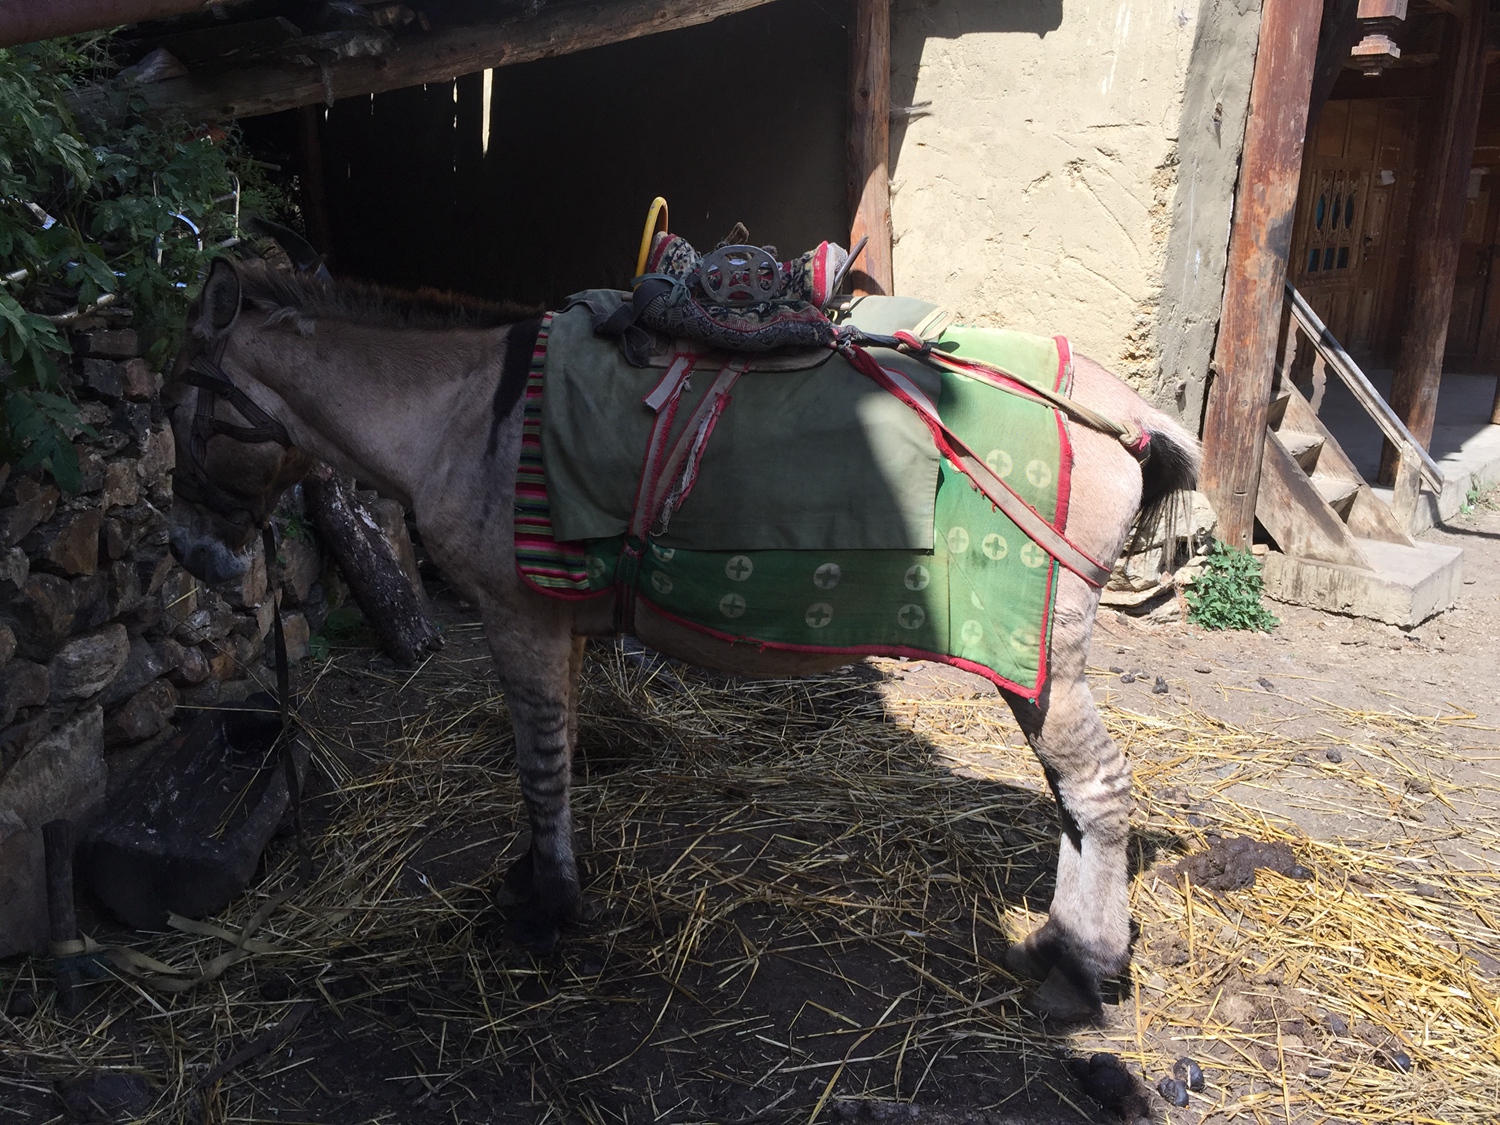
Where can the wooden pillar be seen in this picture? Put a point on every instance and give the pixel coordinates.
(314, 193)
(1234, 425)
(1439, 211)
(870, 144)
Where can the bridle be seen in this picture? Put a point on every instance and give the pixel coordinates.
(206, 373)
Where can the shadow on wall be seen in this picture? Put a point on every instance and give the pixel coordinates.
(914, 22)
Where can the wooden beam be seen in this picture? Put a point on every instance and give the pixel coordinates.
(415, 59)
(27, 21)
(1337, 36)
(1435, 235)
(870, 145)
(1234, 425)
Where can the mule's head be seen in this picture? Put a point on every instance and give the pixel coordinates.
(234, 460)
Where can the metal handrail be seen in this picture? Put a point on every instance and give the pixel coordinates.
(1333, 354)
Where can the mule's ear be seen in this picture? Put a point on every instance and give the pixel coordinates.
(221, 297)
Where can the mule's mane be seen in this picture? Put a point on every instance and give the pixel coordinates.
(357, 302)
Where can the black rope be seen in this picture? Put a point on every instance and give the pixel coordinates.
(284, 698)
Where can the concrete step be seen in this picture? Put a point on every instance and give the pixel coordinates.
(1404, 585)
(1304, 447)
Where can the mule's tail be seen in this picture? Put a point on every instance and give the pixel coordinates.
(1173, 460)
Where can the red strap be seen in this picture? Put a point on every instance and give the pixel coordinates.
(1023, 515)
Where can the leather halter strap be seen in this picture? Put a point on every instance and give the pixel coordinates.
(207, 374)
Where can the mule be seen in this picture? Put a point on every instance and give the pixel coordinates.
(419, 397)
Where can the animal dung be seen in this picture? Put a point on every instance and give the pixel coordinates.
(1231, 862)
(1189, 1073)
(1172, 1091)
(1105, 1079)
(1160, 687)
(1399, 1060)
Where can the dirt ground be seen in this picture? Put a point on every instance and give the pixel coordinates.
(803, 892)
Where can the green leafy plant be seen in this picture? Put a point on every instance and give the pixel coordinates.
(1480, 497)
(134, 208)
(1226, 595)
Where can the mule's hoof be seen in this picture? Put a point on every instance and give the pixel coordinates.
(1020, 960)
(538, 936)
(1062, 1000)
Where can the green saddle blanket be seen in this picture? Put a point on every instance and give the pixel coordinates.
(949, 578)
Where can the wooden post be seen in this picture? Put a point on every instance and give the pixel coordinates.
(1234, 425)
(1439, 210)
(57, 843)
(314, 194)
(1408, 489)
(870, 145)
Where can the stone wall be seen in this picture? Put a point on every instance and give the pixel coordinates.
(1068, 166)
(103, 637)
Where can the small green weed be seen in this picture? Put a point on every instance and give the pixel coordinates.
(1227, 594)
(1486, 496)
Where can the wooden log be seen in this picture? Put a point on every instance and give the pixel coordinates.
(416, 58)
(1417, 377)
(57, 844)
(870, 145)
(27, 21)
(369, 564)
(1234, 425)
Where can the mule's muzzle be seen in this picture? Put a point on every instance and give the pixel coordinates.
(208, 549)
(208, 560)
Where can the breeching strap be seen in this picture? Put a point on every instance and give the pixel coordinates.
(1136, 441)
(1023, 515)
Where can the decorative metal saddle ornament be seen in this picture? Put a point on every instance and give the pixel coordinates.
(737, 297)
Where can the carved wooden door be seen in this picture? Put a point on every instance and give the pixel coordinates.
(1351, 216)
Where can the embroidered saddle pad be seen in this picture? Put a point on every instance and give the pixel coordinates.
(965, 587)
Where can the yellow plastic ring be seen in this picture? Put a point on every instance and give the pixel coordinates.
(658, 210)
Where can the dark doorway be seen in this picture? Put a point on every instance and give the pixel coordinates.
(742, 119)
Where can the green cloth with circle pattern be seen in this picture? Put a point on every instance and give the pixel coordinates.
(981, 599)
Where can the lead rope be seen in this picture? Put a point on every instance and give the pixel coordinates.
(284, 698)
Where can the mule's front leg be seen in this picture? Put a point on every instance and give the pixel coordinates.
(539, 669)
(1086, 937)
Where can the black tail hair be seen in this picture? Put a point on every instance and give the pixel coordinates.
(1170, 469)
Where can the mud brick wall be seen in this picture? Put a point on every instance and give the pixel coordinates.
(103, 637)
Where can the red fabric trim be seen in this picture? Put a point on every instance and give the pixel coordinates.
(1064, 362)
(821, 273)
(1065, 444)
(874, 650)
(562, 595)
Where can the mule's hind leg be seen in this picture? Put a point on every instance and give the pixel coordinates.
(1086, 937)
(538, 663)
